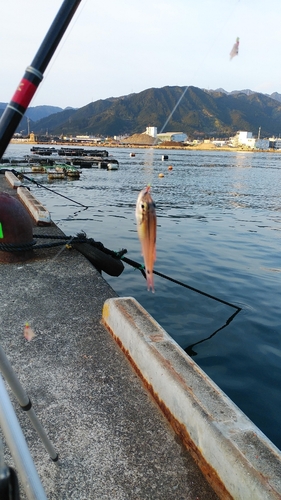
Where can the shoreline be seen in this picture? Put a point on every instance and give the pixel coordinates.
(200, 147)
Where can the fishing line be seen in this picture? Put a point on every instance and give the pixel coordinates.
(189, 349)
(38, 184)
(140, 267)
(125, 259)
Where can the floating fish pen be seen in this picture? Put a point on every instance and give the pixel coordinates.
(82, 152)
(38, 168)
(14, 160)
(112, 166)
(109, 165)
(69, 170)
(43, 151)
(39, 160)
(84, 162)
(59, 168)
(69, 151)
(54, 174)
(74, 173)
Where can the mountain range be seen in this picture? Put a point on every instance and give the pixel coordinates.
(197, 112)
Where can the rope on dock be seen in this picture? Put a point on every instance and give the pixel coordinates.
(15, 247)
(79, 238)
(101, 257)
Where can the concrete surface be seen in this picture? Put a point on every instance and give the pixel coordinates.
(229, 448)
(112, 439)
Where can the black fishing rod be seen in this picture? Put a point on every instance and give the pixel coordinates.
(34, 74)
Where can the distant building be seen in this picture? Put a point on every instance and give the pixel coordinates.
(87, 138)
(172, 137)
(275, 143)
(262, 144)
(120, 137)
(243, 138)
(152, 131)
(219, 143)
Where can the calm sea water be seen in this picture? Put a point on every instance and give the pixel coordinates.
(219, 230)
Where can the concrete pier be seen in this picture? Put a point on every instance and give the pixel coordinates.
(113, 441)
(130, 414)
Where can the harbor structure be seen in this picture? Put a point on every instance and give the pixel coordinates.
(166, 136)
(245, 138)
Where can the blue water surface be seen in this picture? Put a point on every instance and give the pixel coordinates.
(218, 231)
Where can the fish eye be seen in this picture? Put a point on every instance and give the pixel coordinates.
(142, 205)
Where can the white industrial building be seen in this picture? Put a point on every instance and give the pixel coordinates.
(243, 138)
(166, 136)
(152, 131)
(172, 137)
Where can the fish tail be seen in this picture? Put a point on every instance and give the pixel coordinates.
(149, 280)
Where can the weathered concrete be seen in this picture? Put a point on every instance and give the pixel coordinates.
(112, 440)
(39, 213)
(12, 179)
(229, 448)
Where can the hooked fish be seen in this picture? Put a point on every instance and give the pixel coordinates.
(146, 223)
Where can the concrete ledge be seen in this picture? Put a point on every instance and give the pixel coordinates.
(238, 460)
(12, 179)
(39, 213)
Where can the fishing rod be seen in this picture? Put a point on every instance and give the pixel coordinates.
(33, 75)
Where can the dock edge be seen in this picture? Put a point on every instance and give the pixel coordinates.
(237, 459)
(38, 212)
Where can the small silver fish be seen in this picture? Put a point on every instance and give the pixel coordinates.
(146, 223)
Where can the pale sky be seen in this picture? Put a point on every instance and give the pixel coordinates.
(116, 47)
